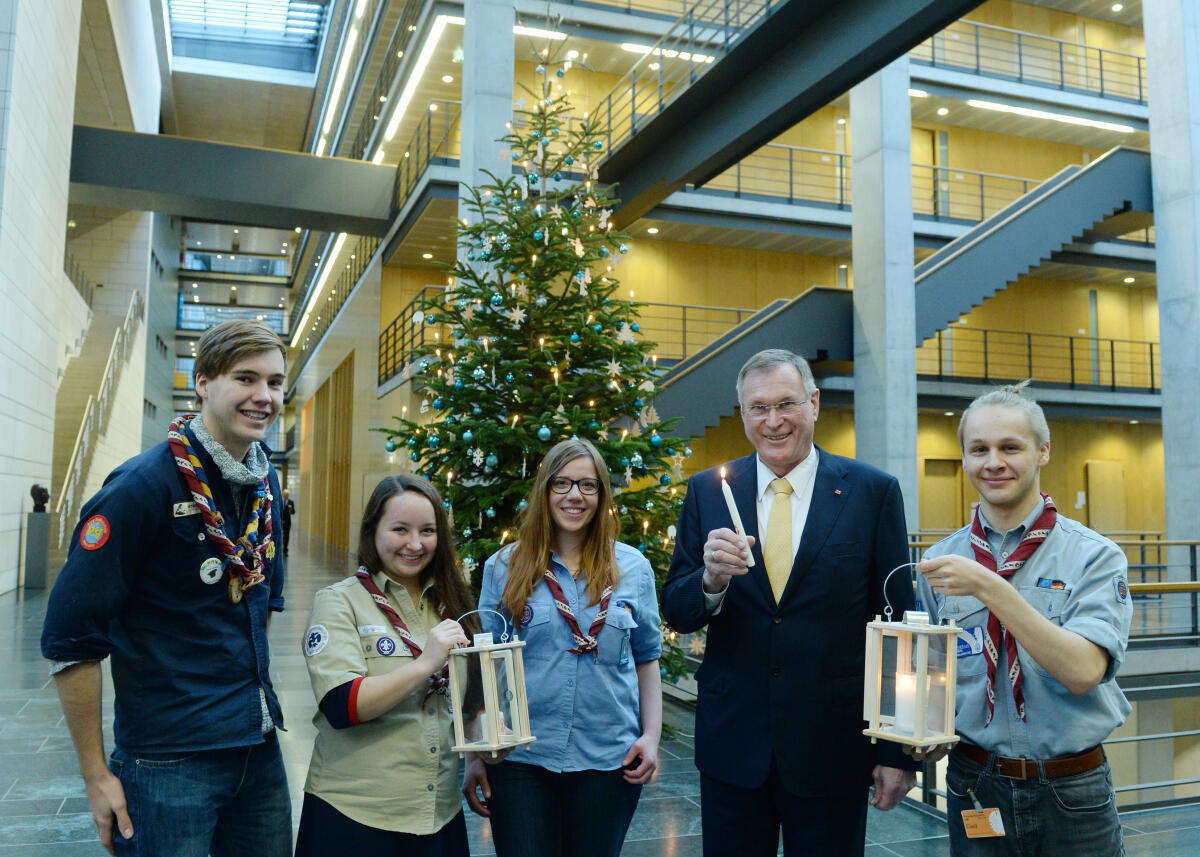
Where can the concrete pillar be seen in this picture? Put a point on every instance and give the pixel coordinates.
(43, 315)
(885, 374)
(487, 89)
(1172, 30)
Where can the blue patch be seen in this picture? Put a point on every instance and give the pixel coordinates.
(1122, 589)
(386, 646)
(1047, 583)
(970, 642)
(527, 615)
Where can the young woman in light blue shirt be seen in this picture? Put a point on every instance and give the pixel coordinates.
(586, 607)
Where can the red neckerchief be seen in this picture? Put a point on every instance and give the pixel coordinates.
(997, 634)
(583, 642)
(438, 682)
(245, 560)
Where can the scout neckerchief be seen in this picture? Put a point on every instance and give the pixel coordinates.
(245, 561)
(997, 634)
(439, 682)
(583, 642)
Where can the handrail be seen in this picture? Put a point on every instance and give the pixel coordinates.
(79, 278)
(1033, 58)
(95, 419)
(1165, 587)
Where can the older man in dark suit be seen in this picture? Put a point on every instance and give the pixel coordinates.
(779, 720)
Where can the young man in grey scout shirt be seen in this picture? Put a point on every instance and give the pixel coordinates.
(1045, 610)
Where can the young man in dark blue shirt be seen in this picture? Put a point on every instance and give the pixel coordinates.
(172, 572)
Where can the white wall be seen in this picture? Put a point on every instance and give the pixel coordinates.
(39, 44)
(133, 32)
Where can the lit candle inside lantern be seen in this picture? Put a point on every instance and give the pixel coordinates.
(906, 703)
(733, 512)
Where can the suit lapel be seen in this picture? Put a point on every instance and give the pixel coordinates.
(831, 490)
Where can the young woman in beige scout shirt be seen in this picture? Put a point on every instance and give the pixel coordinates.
(383, 780)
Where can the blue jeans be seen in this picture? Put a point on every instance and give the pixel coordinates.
(1074, 815)
(230, 803)
(540, 813)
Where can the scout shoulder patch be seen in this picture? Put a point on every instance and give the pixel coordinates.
(527, 614)
(315, 639)
(1122, 589)
(95, 533)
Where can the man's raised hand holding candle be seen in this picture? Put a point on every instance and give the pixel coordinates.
(727, 552)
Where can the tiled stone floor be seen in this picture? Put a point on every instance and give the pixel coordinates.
(43, 810)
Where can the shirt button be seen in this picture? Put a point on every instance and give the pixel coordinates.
(429, 787)
(200, 537)
(1004, 555)
(776, 620)
(776, 671)
(433, 749)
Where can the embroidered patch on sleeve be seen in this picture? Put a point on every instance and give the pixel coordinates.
(315, 640)
(94, 533)
(1122, 589)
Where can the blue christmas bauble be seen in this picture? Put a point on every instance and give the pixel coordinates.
(604, 251)
(636, 459)
(470, 256)
(509, 378)
(477, 410)
(446, 505)
(523, 505)
(570, 159)
(485, 256)
(458, 384)
(415, 457)
(574, 337)
(642, 547)
(516, 156)
(649, 505)
(422, 366)
(635, 327)
(665, 479)
(637, 403)
(541, 69)
(412, 441)
(497, 299)
(438, 404)
(558, 177)
(390, 446)
(624, 463)
(490, 462)
(534, 178)
(593, 424)
(540, 300)
(656, 440)
(431, 319)
(537, 135)
(553, 132)
(597, 327)
(504, 412)
(687, 452)
(489, 512)
(623, 249)
(561, 73)
(434, 441)
(467, 533)
(597, 145)
(450, 420)
(479, 374)
(543, 433)
(468, 436)
(538, 235)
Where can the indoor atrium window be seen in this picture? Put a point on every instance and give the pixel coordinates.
(281, 34)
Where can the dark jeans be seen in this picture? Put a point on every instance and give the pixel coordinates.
(538, 813)
(326, 832)
(739, 822)
(230, 803)
(1074, 815)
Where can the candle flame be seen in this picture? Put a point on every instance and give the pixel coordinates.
(722, 472)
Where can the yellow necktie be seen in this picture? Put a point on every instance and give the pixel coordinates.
(777, 550)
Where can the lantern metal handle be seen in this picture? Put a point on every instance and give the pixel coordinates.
(887, 610)
(504, 636)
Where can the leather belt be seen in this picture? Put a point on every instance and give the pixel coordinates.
(1027, 769)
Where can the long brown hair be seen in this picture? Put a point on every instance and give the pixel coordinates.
(530, 557)
(449, 585)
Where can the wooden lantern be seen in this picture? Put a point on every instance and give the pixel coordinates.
(921, 678)
(487, 693)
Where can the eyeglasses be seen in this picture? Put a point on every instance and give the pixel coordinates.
(563, 485)
(784, 409)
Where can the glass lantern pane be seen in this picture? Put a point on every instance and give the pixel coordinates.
(505, 694)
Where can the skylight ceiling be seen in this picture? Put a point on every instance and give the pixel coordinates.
(282, 34)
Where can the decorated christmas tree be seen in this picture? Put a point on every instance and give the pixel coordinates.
(530, 343)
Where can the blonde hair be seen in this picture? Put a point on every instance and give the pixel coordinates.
(530, 557)
(1010, 395)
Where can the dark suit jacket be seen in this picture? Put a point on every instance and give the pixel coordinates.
(787, 680)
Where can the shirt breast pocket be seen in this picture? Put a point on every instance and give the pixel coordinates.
(383, 652)
(197, 556)
(534, 622)
(971, 616)
(614, 642)
(1048, 602)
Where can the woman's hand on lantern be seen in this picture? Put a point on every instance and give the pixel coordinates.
(726, 555)
(957, 575)
(445, 636)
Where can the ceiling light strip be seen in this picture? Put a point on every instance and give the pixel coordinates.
(331, 260)
(1031, 113)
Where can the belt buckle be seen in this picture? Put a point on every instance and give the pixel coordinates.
(1024, 775)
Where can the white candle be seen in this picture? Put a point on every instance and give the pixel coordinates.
(906, 703)
(733, 513)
